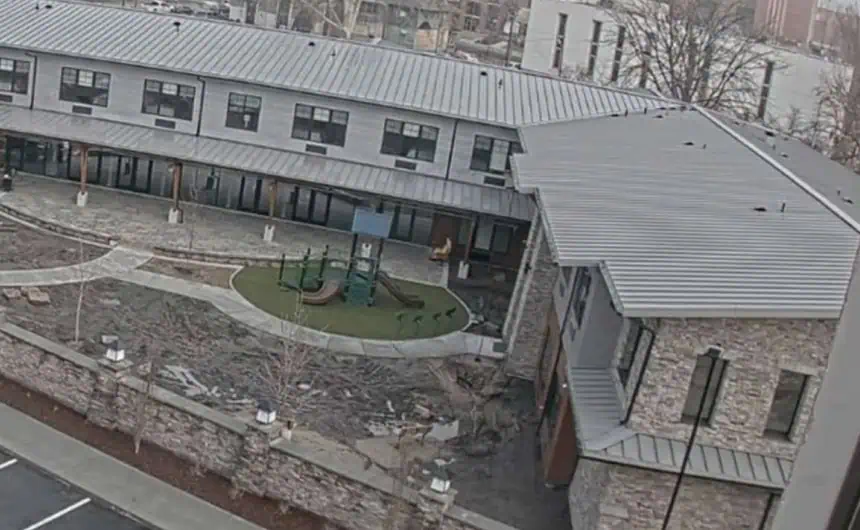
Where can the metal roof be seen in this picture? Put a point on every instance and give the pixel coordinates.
(674, 225)
(706, 461)
(315, 170)
(331, 67)
(598, 414)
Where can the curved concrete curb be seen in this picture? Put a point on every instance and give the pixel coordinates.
(115, 263)
(88, 236)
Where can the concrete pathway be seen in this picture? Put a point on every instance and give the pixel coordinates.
(235, 306)
(134, 492)
(115, 264)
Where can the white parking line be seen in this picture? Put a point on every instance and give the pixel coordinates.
(8, 463)
(59, 514)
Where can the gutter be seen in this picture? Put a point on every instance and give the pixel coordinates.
(202, 98)
(782, 169)
(35, 70)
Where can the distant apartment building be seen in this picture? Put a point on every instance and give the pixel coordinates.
(785, 20)
(485, 16)
(576, 39)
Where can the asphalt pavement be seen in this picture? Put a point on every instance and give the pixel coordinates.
(30, 500)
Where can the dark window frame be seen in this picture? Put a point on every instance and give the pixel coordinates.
(20, 71)
(98, 96)
(237, 111)
(560, 35)
(631, 349)
(482, 157)
(176, 102)
(330, 133)
(713, 389)
(582, 288)
(397, 143)
(769, 430)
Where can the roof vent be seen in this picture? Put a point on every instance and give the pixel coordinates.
(501, 83)
(659, 116)
(333, 54)
(484, 73)
(769, 133)
(615, 115)
(761, 209)
(689, 143)
(312, 44)
(784, 155)
(844, 199)
(176, 24)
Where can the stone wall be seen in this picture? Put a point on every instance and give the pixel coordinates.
(308, 472)
(529, 326)
(630, 498)
(57, 228)
(756, 350)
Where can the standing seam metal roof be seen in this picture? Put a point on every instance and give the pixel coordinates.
(321, 171)
(675, 227)
(331, 67)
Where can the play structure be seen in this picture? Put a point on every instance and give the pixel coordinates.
(441, 253)
(355, 280)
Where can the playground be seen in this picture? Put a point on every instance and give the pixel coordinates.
(353, 296)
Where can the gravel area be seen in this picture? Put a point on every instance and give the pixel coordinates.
(221, 363)
(217, 276)
(26, 248)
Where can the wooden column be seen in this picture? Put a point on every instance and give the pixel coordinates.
(273, 197)
(471, 241)
(85, 164)
(177, 182)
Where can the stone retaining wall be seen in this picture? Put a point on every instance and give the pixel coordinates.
(217, 257)
(308, 472)
(86, 235)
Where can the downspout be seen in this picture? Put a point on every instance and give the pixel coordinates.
(641, 375)
(202, 97)
(33, 83)
(451, 151)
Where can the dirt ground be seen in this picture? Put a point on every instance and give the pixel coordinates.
(221, 363)
(217, 276)
(26, 248)
(156, 462)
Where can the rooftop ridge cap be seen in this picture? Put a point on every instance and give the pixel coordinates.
(790, 175)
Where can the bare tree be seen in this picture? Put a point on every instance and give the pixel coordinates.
(339, 17)
(287, 375)
(151, 366)
(82, 282)
(698, 51)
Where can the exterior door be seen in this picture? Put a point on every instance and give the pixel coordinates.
(312, 206)
(250, 191)
(444, 227)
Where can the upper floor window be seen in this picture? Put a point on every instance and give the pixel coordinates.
(493, 155)
(85, 86)
(639, 340)
(171, 100)
(409, 140)
(696, 393)
(320, 125)
(582, 286)
(14, 76)
(786, 403)
(243, 111)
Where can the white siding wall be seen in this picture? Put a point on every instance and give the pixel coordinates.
(19, 100)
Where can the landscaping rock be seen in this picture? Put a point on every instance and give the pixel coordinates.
(8, 228)
(38, 297)
(11, 294)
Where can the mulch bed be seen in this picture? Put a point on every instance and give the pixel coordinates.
(156, 462)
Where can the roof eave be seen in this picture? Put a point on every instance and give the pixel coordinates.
(706, 311)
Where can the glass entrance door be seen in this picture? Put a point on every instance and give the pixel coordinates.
(250, 192)
(312, 206)
(133, 174)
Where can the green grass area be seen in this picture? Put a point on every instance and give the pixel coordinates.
(260, 286)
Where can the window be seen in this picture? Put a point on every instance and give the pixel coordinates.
(85, 86)
(619, 53)
(168, 99)
(580, 294)
(409, 140)
(14, 76)
(474, 8)
(320, 125)
(786, 403)
(558, 53)
(594, 48)
(639, 340)
(493, 155)
(471, 23)
(697, 389)
(243, 111)
(502, 236)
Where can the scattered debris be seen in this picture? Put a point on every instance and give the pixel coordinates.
(442, 432)
(109, 339)
(37, 297)
(11, 294)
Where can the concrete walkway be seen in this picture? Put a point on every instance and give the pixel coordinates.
(235, 306)
(114, 264)
(134, 492)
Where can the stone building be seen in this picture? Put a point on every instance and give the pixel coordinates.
(633, 272)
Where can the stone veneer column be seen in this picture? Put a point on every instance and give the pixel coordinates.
(102, 408)
(529, 324)
(252, 468)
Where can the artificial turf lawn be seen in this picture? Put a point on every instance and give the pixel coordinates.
(259, 286)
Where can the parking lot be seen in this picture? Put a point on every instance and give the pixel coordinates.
(30, 500)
